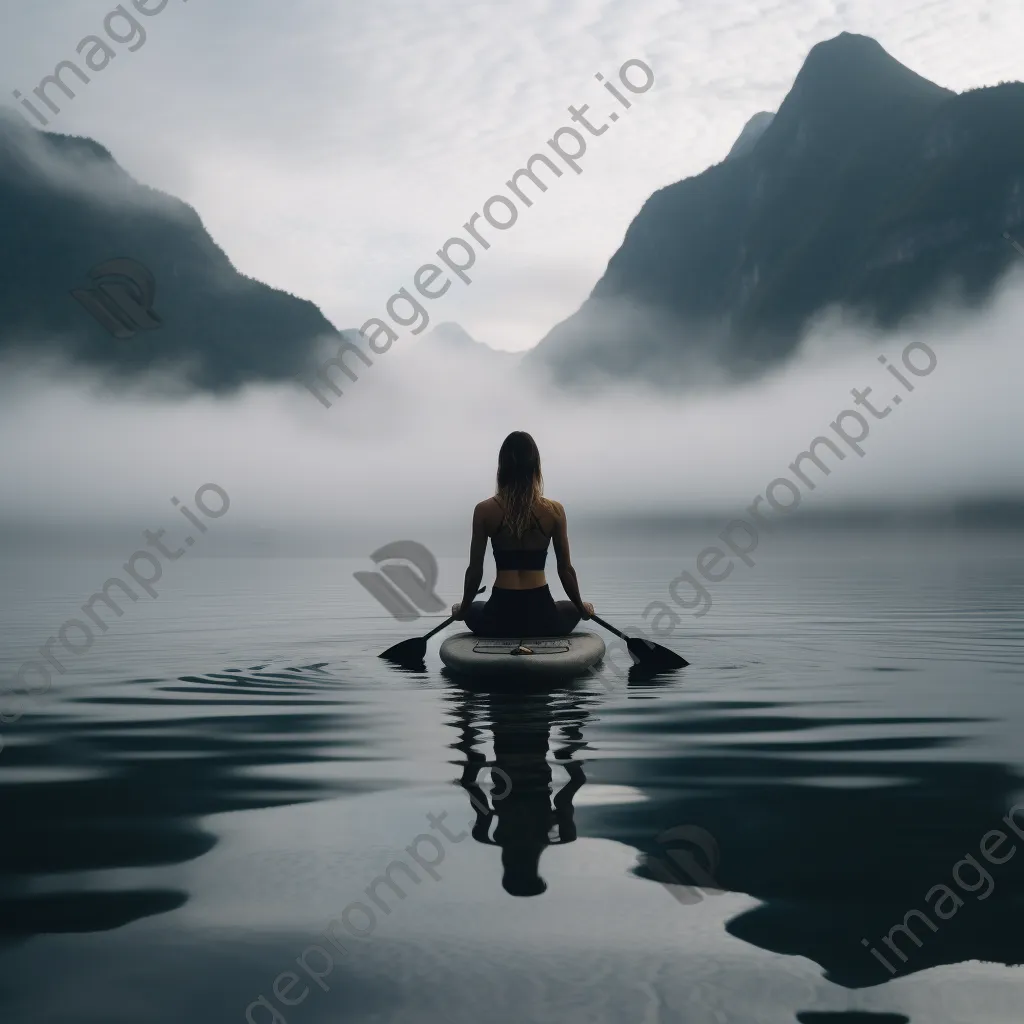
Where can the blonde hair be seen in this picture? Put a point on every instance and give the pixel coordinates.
(520, 483)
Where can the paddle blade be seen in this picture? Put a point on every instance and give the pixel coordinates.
(408, 652)
(654, 657)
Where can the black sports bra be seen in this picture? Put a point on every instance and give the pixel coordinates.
(520, 558)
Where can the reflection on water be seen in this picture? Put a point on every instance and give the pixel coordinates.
(93, 796)
(735, 842)
(834, 852)
(836, 863)
(526, 819)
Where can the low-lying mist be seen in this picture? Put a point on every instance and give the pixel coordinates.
(411, 445)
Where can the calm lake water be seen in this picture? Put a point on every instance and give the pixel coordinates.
(228, 773)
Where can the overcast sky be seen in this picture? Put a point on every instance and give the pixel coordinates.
(331, 146)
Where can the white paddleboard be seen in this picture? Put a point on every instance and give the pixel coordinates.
(547, 658)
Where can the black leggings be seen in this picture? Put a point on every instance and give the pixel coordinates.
(522, 613)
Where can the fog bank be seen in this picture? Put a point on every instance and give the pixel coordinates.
(411, 445)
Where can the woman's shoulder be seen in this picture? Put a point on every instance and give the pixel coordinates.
(489, 507)
(488, 515)
(554, 507)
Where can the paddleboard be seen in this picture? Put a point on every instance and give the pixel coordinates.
(539, 658)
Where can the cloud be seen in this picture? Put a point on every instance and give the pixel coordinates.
(412, 443)
(331, 147)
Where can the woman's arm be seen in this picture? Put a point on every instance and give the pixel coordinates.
(475, 572)
(566, 573)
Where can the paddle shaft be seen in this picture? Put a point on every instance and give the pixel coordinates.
(609, 627)
(447, 622)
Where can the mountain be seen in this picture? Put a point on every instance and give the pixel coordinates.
(871, 189)
(455, 340)
(752, 131)
(67, 207)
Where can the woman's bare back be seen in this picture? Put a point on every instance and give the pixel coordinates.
(544, 526)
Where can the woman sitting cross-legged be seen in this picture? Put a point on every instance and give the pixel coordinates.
(520, 523)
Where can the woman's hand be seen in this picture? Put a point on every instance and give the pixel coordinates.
(588, 610)
(457, 611)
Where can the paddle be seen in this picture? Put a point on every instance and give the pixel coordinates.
(649, 655)
(412, 652)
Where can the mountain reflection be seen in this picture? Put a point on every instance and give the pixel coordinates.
(839, 843)
(838, 837)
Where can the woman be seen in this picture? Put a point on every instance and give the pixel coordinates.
(520, 522)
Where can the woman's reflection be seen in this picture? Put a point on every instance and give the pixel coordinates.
(522, 818)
